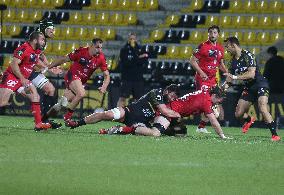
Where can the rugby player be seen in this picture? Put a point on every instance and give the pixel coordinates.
(138, 115)
(243, 67)
(205, 60)
(85, 61)
(15, 78)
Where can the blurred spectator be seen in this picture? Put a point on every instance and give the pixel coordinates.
(274, 71)
(131, 67)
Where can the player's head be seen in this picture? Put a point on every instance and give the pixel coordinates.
(272, 51)
(217, 95)
(97, 45)
(213, 33)
(171, 92)
(132, 40)
(37, 40)
(47, 28)
(231, 45)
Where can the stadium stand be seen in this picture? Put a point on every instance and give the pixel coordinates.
(170, 29)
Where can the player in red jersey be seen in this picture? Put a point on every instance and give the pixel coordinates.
(85, 61)
(205, 60)
(199, 102)
(15, 78)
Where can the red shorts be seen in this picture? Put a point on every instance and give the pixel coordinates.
(69, 77)
(10, 81)
(210, 82)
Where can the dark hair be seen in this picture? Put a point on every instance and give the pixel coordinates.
(272, 50)
(232, 40)
(173, 88)
(95, 40)
(217, 91)
(214, 27)
(35, 35)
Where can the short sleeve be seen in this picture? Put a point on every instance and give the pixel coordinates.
(20, 53)
(75, 55)
(103, 64)
(197, 52)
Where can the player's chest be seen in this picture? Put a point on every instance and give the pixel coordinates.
(31, 59)
(212, 53)
(88, 64)
(239, 66)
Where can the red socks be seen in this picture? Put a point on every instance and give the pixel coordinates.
(127, 130)
(202, 124)
(69, 114)
(36, 112)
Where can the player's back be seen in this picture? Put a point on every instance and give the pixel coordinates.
(192, 103)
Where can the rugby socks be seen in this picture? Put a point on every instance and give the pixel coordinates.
(272, 127)
(47, 102)
(81, 122)
(36, 112)
(127, 130)
(69, 114)
(202, 124)
(247, 120)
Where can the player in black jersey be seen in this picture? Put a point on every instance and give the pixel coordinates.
(243, 68)
(139, 114)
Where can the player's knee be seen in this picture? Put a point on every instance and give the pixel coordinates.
(81, 94)
(156, 133)
(262, 108)
(158, 127)
(238, 114)
(50, 90)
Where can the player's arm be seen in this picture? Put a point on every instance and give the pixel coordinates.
(194, 62)
(222, 66)
(58, 61)
(216, 125)
(250, 74)
(105, 82)
(164, 110)
(16, 70)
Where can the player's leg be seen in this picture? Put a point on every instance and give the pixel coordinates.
(5, 95)
(125, 92)
(77, 88)
(241, 114)
(263, 109)
(116, 114)
(33, 96)
(60, 105)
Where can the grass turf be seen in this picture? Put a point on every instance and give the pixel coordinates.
(82, 162)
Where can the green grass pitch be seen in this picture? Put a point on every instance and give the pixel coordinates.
(81, 161)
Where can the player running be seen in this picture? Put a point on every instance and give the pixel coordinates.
(138, 115)
(85, 61)
(205, 60)
(15, 78)
(38, 78)
(244, 68)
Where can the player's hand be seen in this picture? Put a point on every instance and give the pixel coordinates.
(25, 82)
(56, 70)
(144, 55)
(102, 89)
(204, 76)
(229, 77)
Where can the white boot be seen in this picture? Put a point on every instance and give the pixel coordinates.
(202, 130)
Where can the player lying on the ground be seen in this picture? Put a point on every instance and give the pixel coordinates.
(85, 61)
(192, 103)
(15, 78)
(139, 114)
(244, 68)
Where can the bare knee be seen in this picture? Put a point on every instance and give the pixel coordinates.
(81, 94)
(156, 133)
(49, 90)
(239, 114)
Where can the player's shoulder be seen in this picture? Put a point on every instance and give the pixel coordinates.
(247, 52)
